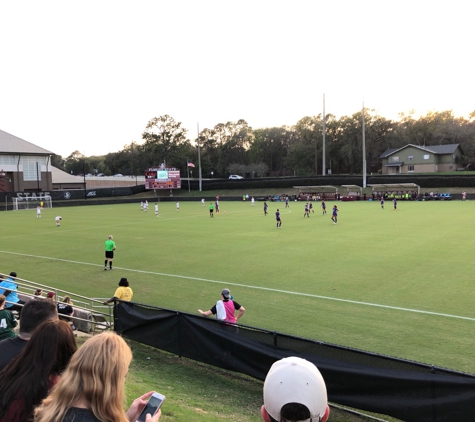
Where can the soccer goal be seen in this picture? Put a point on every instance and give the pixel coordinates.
(31, 202)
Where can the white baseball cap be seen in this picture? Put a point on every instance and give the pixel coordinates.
(295, 380)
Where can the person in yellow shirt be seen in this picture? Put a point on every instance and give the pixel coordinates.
(123, 292)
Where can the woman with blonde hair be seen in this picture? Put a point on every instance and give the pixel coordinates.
(91, 389)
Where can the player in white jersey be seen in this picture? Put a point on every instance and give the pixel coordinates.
(156, 209)
(141, 206)
(202, 202)
(57, 220)
(38, 212)
(177, 206)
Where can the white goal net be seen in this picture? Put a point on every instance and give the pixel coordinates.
(31, 202)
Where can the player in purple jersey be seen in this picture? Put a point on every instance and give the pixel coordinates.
(335, 214)
(265, 208)
(324, 208)
(395, 204)
(381, 201)
(287, 202)
(278, 219)
(310, 207)
(306, 213)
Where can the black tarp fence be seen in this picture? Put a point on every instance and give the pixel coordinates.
(406, 390)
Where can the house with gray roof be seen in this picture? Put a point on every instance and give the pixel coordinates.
(420, 159)
(24, 167)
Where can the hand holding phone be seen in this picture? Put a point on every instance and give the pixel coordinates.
(152, 406)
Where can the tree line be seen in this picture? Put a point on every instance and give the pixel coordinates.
(236, 148)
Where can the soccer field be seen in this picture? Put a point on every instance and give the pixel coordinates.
(391, 282)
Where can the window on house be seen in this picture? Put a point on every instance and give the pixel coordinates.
(395, 159)
(426, 156)
(410, 168)
(410, 157)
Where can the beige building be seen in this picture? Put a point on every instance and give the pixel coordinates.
(420, 159)
(24, 167)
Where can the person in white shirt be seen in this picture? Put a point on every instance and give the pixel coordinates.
(177, 206)
(38, 212)
(156, 209)
(57, 220)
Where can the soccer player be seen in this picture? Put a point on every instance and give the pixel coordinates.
(265, 208)
(110, 248)
(145, 206)
(306, 213)
(211, 210)
(395, 203)
(381, 201)
(287, 202)
(335, 214)
(278, 219)
(38, 211)
(202, 202)
(141, 206)
(324, 207)
(216, 205)
(156, 209)
(310, 207)
(57, 220)
(177, 206)
(252, 201)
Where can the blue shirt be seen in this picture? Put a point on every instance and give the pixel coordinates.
(13, 296)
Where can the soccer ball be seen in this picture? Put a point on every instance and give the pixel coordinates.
(224, 212)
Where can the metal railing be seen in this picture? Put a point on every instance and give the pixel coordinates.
(90, 314)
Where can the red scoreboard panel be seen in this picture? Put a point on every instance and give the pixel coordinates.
(160, 178)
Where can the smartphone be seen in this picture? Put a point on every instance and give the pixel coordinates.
(154, 403)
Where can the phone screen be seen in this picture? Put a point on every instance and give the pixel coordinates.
(151, 407)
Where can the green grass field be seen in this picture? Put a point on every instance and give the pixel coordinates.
(392, 282)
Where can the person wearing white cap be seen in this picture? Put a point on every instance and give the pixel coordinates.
(225, 308)
(294, 390)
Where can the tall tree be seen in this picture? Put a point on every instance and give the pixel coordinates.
(165, 141)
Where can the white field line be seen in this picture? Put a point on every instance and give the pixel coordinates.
(353, 302)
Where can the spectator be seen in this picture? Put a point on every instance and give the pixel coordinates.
(66, 311)
(92, 386)
(26, 381)
(7, 321)
(224, 308)
(38, 294)
(51, 295)
(123, 292)
(34, 313)
(9, 288)
(294, 390)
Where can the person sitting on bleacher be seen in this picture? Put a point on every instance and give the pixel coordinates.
(7, 321)
(34, 313)
(9, 288)
(66, 311)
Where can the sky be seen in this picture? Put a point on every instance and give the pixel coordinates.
(88, 75)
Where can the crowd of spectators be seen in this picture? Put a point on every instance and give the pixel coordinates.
(44, 378)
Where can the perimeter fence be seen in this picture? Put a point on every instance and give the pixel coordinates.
(406, 390)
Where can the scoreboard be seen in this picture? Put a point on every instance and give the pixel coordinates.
(162, 178)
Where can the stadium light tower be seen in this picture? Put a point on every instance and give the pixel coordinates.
(364, 148)
(324, 170)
